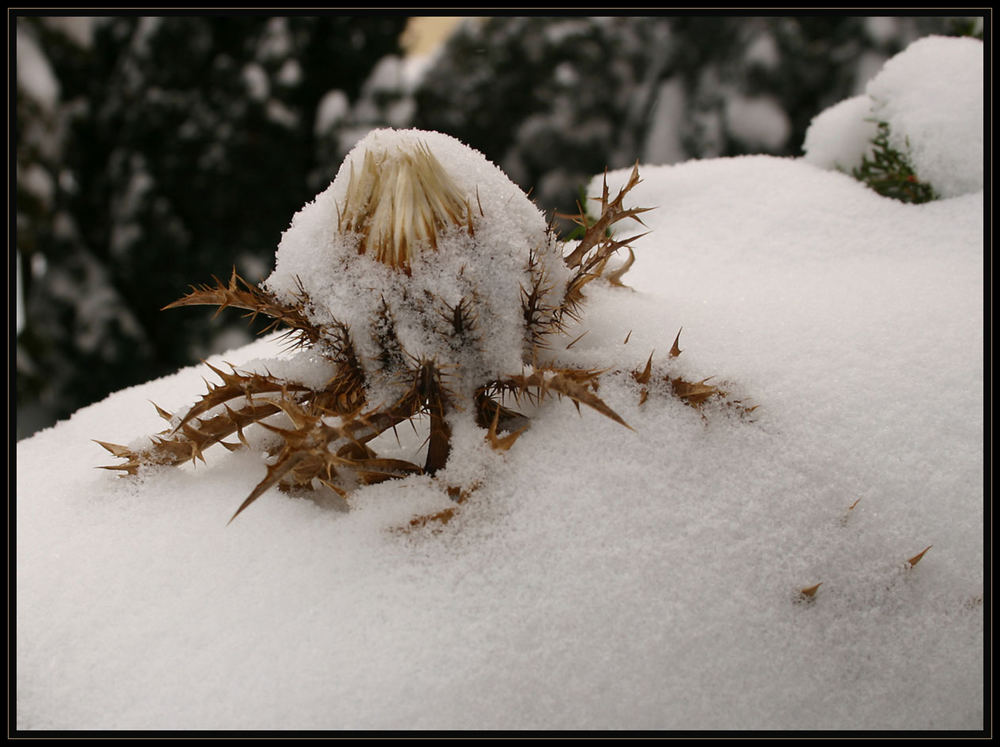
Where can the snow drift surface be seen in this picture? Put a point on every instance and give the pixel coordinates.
(599, 577)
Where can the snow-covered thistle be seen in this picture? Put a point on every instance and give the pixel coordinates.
(430, 286)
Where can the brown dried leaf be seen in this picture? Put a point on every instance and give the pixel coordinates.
(252, 299)
(571, 383)
(442, 517)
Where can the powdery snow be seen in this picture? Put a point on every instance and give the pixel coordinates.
(599, 577)
(841, 136)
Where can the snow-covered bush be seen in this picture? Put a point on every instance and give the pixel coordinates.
(920, 121)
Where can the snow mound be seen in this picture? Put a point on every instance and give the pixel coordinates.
(599, 578)
(839, 137)
(931, 96)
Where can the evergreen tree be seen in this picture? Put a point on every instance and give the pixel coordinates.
(555, 100)
(186, 144)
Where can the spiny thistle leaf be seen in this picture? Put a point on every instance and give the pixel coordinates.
(116, 449)
(693, 393)
(612, 211)
(252, 299)
(275, 472)
(591, 255)
(236, 385)
(577, 339)
(571, 383)
(162, 413)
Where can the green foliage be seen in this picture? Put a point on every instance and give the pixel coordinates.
(890, 174)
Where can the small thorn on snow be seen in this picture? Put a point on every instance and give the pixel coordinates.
(916, 558)
(674, 349)
(810, 591)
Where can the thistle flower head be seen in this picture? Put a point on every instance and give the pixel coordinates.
(425, 251)
(398, 202)
(426, 285)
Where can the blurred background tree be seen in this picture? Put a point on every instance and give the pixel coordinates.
(554, 100)
(162, 150)
(153, 153)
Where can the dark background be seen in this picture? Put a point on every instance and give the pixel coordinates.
(152, 153)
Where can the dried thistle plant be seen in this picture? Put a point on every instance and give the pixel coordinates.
(425, 298)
